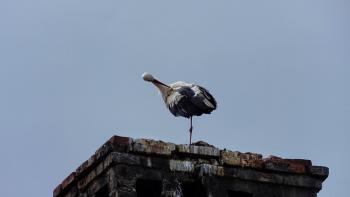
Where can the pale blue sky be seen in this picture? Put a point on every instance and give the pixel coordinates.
(70, 78)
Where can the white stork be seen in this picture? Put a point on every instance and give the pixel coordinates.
(184, 99)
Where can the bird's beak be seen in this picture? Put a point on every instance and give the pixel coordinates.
(155, 81)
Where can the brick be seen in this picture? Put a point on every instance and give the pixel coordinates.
(120, 144)
(319, 171)
(88, 164)
(93, 174)
(152, 147)
(121, 161)
(298, 180)
(68, 181)
(65, 185)
(182, 166)
(57, 190)
(299, 166)
(209, 170)
(124, 158)
(235, 158)
(72, 192)
(115, 143)
(199, 151)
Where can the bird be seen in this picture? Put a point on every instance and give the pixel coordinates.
(184, 99)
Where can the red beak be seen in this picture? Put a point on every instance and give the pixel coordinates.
(156, 81)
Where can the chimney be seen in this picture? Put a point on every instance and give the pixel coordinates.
(126, 167)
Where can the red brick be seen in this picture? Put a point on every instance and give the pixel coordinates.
(299, 166)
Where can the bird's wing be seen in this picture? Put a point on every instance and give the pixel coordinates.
(180, 102)
(203, 99)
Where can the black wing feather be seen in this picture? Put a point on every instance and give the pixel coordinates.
(180, 103)
(192, 100)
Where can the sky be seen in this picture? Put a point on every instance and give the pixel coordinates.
(70, 78)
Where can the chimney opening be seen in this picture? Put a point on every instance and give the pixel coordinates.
(231, 193)
(193, 189)
(103, 192)
(148, 188)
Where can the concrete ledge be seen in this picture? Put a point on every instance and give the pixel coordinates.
(275, 178)
(319, 171)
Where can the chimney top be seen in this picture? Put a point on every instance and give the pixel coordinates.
(198, 159)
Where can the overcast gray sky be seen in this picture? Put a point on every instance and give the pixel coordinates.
(70, 78)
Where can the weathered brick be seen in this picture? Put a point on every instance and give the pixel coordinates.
(209, 170)
(120, 144)
(121, 161)
(57, 190)
(139, 160)
(66, 184)
(69, 180)
(84, 181)
(160, 163)
(124, 158)
(88, 164)
(299, 166)
(96, 185)
(115, 143)
(92, 174)
(72, 191)
(235, 158)
(152, 147)
(182, 166)
(319, 171)
(204, 151)
(299, 180)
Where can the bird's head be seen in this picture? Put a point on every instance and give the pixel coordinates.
(147, 77)
(163, 88)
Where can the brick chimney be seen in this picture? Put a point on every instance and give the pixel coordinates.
(126, 167)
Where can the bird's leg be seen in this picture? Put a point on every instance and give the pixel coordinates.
(191, 128)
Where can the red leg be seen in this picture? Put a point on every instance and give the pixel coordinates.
(191, 128)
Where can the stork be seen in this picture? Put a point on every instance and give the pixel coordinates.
(184, 99)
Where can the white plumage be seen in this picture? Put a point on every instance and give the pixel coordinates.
(184, 99)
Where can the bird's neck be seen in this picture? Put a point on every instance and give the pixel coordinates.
(164, 90)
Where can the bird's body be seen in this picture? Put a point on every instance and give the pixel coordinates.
(188, 100)
(184, 99)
